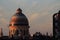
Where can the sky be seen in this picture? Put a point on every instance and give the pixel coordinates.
(38, 12)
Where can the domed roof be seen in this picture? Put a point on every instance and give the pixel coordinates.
(19, 18)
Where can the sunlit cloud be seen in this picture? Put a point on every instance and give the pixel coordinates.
(4, 21)
(34, 16)
(34, 4)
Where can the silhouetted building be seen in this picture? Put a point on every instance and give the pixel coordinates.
(1, 32)
(19, 25)
(37, 36)
(56, 26)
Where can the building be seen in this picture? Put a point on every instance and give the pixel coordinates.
(19, 25)
(56, 26)
(1, 32)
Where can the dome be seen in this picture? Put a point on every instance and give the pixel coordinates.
(19, 18)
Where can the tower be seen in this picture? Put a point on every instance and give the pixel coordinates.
(19, 25)
(56, 26)
(1, 32)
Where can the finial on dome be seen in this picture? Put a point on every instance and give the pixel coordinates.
(18, 10)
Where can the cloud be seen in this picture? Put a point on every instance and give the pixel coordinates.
(34, 3)
(4, 25)
(42, 25)
(1, 15)
(3, 20)
(1, 10)
(34, 16)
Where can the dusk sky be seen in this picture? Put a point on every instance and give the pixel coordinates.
(38, 12)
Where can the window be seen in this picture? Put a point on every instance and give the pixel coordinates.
(10, 24)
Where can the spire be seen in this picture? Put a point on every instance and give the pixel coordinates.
(18, 10)
(1, 33)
